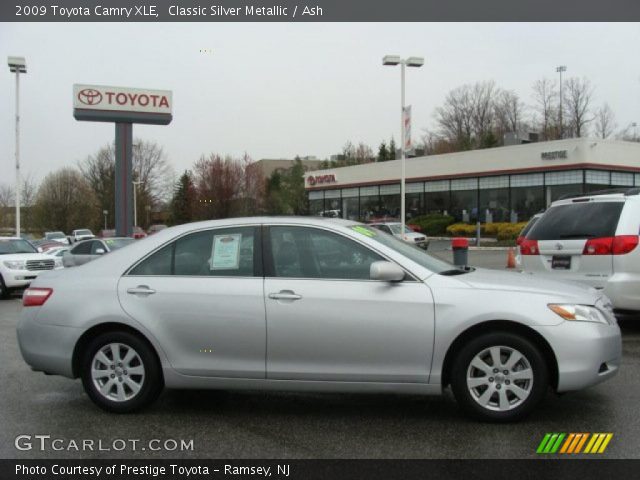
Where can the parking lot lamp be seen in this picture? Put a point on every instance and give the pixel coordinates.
(17, 65)
(105, 213)
(560, 69)
(135, 207)
(392, 61)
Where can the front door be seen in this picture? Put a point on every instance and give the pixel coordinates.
(326, 320)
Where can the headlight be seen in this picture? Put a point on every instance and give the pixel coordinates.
(581, 313)
(58, 262)
(15, 264)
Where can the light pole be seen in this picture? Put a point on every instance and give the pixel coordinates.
(393, 60)
(105, 213)
(560, 69)
(17, 65)
(135, 208)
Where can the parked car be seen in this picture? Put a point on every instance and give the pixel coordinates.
(156, 228)
(109, 233)
(81, 234)
(138, 233)
(523, 234)
(20, 264)
(308, 303)
(43, 245)
(592, 239)
(409, 236)
(59, 237)
(89, 250)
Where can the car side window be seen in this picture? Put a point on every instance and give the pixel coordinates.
(227, 252)
(303, 252)
(95, 246)
(82, 248)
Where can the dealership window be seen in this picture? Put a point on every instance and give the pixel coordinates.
(621, 179)
(494, 199)
(390, 200)
(414, 199)
(302, 252)
(436, 197)
(464, 199)
(332, 203)
(369, 203)
(560, 184)
(527, 196)
(596, 180)
(316, 202)
(637, 179)
(350, 203)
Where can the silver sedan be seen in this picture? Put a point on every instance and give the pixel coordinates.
(312, 304)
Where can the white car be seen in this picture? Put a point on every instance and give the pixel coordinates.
(81, 234)
(20, 264)
(592, 239)
(394, 228)
(59, 237)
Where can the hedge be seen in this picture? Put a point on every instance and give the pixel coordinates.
(433, 224)
(502, 231)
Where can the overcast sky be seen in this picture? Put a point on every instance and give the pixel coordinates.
(280, 90)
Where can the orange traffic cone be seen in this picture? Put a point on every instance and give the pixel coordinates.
(511, 258)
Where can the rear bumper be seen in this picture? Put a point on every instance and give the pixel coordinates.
(46, 348)
(587, 353)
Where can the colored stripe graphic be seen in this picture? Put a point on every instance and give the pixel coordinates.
(573, 443)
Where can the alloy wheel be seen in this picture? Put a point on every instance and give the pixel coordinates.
(117, 372)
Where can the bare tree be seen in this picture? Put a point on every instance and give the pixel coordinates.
(454, 118)
(364, 154)
(218, 181)
(545, 94)
(7, 200)
(509, 112)
(65, 201)
(27, 200)
(579, 93)
(99, 170)
(482, 100)
(605, 121)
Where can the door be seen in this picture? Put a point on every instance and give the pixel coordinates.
(326, 320)
(202, 298)
(79, 254)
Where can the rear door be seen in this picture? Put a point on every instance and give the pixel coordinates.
(202, 298)
(574, 241)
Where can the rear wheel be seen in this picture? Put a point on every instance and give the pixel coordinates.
(4, 292)
(499, 377)
(120, 372)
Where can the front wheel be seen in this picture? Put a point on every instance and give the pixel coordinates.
(120, 372)
(499, 377)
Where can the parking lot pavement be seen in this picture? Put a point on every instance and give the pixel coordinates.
(291, 425)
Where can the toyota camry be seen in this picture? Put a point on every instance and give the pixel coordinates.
(312, 304)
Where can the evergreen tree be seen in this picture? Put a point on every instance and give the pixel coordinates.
(392, 149)
(383, 153)
(184, 199)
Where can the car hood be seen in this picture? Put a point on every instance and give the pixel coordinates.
(519, 282)
(24, 256)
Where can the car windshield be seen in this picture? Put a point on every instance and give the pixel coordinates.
(10, 246)
(83, 232)
(410, 251)
(55, 235)
(116, 243)
(395, 228)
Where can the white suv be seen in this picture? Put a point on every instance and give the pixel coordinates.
(20, 264)
(591, 239)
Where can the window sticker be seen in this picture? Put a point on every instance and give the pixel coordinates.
(363, 230)
(225, 252)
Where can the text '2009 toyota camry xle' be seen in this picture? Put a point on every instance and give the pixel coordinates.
(312, 304)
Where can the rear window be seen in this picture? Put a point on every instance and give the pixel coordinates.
(578, 220)
(527, 228)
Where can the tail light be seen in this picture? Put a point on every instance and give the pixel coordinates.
(35, 297)
(619, 245)
(519, 240)
(529, 247)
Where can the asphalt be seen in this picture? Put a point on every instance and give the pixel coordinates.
(292, 425)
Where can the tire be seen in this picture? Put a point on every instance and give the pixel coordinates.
(129, 385)
(489, 396)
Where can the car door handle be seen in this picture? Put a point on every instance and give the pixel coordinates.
(285, 295)
(141, 290)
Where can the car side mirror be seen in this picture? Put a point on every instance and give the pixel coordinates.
(100, 251)
(386, 272)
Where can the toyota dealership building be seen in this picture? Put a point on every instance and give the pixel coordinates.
(504, 184)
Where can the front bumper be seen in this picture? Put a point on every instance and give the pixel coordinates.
(46, 348)
(587, 353)
(18, 278)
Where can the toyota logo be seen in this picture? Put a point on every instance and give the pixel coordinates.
(89, 96)
(559, 246)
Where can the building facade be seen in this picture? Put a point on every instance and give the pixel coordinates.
(504, 184)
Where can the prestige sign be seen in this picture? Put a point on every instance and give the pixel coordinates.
(122, 104)
(556, 155)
